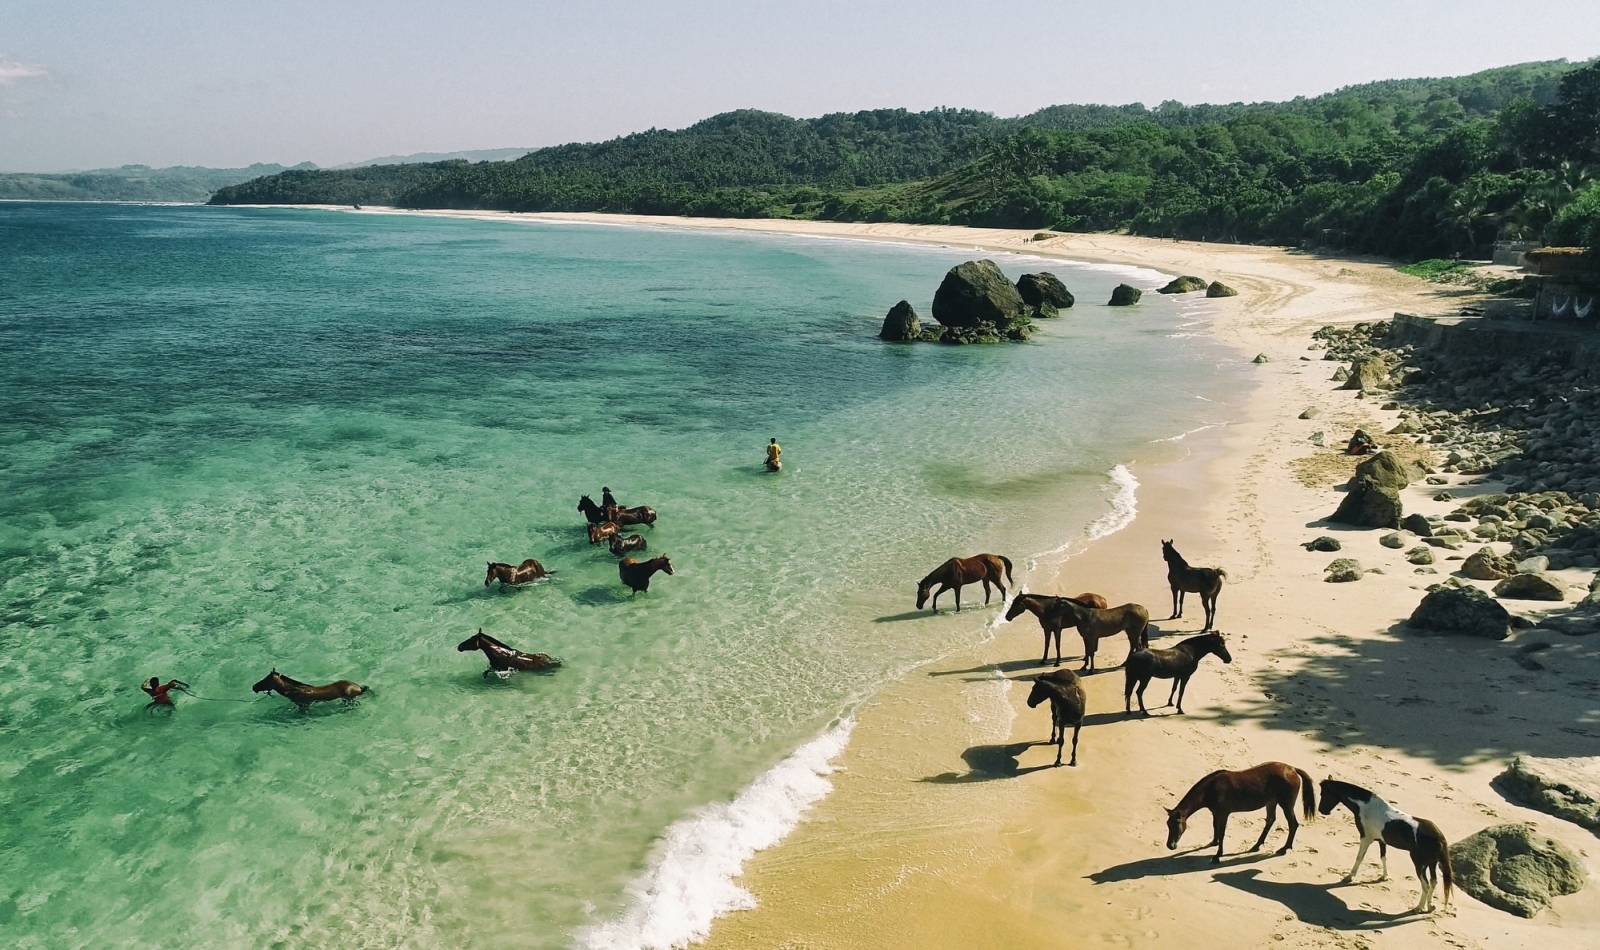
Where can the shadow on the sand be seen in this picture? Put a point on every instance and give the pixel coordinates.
(1313, 904)
(1008, 666)
(908, 615)
(988, 763)
(1179, 862)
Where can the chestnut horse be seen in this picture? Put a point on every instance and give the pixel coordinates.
(1205, 581)
(1271, 785)
(525, 573)
(602, 531)
(504, 659)
(959, 571)
(1039, 605)
(1094, 623)
(626, 544)
(1377, 820)
(637, 574)
(1067, 704)
(304, 694)
(643, 514)
(1176, 664)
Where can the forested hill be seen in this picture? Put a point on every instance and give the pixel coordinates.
(1411, 168)
(129, 183)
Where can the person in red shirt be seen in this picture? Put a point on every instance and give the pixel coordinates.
(159, 694)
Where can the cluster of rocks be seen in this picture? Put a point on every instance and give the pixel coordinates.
(1190, 285)
(977, 304)
(1348, 343)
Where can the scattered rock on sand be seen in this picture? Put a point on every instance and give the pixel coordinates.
(1044, 289)
(1485, 565)
(1417, 525)
(1322, 543)
(1566, 788)
(1341, 374)
(1261, 358)
(1371, 373)
(1392, 540)
(1184, 285)
(1219, 289)
(1531, 587)
(974, 293)
(1369, 505)
(1125, 296)
(1515, 868)
(1463, 610)
(1343, 570)
(1421, 554)
(1311, 413)
(902, 324)
(1537, 564)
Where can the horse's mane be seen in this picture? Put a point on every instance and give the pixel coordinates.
(1169, 548)
(294, 682)
(1339, 786)
(1213, 635)
(484, 636)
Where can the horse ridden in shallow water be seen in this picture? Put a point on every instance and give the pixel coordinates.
(1377, 820)
(1271, 785)
(637, 574)
(304, 694)
(1067, 703)
(1094, 623)
(504, 659)
(1039, 605)
(596, 514)
(525, 573)
(958, 572)
(1205, 581)
(1176, 664)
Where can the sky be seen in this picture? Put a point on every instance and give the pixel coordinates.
(225, 84)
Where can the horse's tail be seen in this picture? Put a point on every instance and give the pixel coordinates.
(1222, 574)
(1007, 562)
(1426, 828)
(1308, 796)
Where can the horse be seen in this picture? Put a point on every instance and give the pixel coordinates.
(960, 571)
(623, 544)
(1067, 702)
(1377, 820)
(504, 659)
(1095, 622)
(593, 512)
(600, 532)
(1038, 604)
(1205, 581)
(636, 574)
(525, 573)
(1176, 664)
(304, 694)
(596, 514)
(1271, 785)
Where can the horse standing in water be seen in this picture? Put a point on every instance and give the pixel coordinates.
(1205, 581)
(1094, 623)
(1067, 703)
(1176, 664)
(627, 544)
(637, 574)
(1271, 785)
(602, 531)
(1039, 605)
(304, 694)
(596, 514)
(525, 573)
(958, 572)
(1377, 820)
(504, 659)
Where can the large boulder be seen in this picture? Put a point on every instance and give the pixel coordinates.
(1369, 505)
(1464, 610)
(976, 292)
(1515, 868)
(1531, 587)
(1371, 373)
(1485, 565)
(1219, 289)
(901, 325)
(1566, 788)
(1184, 285)
(1383, 468)
(1125, 296)
(1044, 289)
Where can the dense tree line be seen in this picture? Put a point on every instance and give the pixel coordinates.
(1409, 168)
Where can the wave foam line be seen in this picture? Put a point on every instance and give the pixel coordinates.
(692, 880)
(1124, 508)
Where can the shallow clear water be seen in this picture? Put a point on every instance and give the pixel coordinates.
(234, 439)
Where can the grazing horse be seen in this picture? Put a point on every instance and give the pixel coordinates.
(1038, 605)
(1067, 703)
(1377, 820)
(525, 573)
(504, 659)
(1271, 785)
(636, 574)
(643, 514)
(626, 544)
(1176, 664)
(959, 571)
(1205, 581)
(602, 531)
(1094, 623)
(304, 694)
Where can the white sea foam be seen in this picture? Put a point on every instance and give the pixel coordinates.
(1184, 435)
(691, 880)
(1124, 505)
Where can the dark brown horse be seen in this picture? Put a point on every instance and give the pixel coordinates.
(596, 514)
(1094, 623)
(959, 571)
(1039, 605)
(503, 659)
(1205, 581)
(1176, 664)
(602, 531)
(304, 694)
(525, 573)
(1067, 703)
(637, 574)
(1271, 785)
(1377, 820)
(627, 544)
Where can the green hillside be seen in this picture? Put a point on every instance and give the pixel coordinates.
(130, 183)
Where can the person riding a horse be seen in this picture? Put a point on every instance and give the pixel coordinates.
(607, 500)
(774, 450)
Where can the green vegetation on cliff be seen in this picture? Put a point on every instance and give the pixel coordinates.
(129, 183)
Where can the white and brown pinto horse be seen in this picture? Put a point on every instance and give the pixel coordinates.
(304, 694)
(960, 571)
(525, 573)
(1377, 820)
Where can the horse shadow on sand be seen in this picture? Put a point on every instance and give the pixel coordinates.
(987, 763)
(1187, 861)
(1313, 904)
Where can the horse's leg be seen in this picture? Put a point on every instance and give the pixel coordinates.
(1061, 738)
(1383, 855)
(1144, 683)
(1177, 603)
(1128, 682)
(1182, 686)
(986, 591)
(1089, 646)
(1075, 728)
(1046, 658)
(1219, 827)
(958, 598)
(1294, 824)
(1425, 902)
(936, 594)
(1272, 819)
(1210, 604)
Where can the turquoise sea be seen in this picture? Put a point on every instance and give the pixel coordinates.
(239, 439)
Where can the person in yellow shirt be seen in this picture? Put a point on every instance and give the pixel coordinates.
(773, 451)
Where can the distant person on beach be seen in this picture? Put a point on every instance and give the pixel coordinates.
(773, 451)
(606, 500)
(1360, 444)
(160, 694)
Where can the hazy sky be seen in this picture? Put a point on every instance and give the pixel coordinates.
(215, 82)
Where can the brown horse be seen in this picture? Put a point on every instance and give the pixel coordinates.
(1094, 623)
(637, 574)
(504, 659)
(1271, 785)
(959, 571)
(1067, 703)
(602, 531)
(1205, 581)
(525, 573)
(627, 544)
(304, 694)
(1377, 820)
(1039, 605)
(596, 514)
(1176, 664)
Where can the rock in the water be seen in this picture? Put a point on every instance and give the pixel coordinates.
(975, 293)
(1322, 543)
(901, 325)
(1125, 296)
(982, 333)
(1531, 587)
(1392, 540)
(1515, 868)
(1184, 285)
(1219, 289)
(1464, 610)
(1369, 505)
(1343, 570)
(1044, 288)
(1386, 470)
(1485, 565)
(1566, 788)
(1417, 525)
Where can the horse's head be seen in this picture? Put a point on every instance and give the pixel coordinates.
(267, 683)
(666, 565)
(1177, 823)
(1017, 607)
(1329, 799)
(1039, 694)
(586, 504)
(471, 643)
(1168, 551)
(1222, 649)
(923, 589)
(489, 578)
